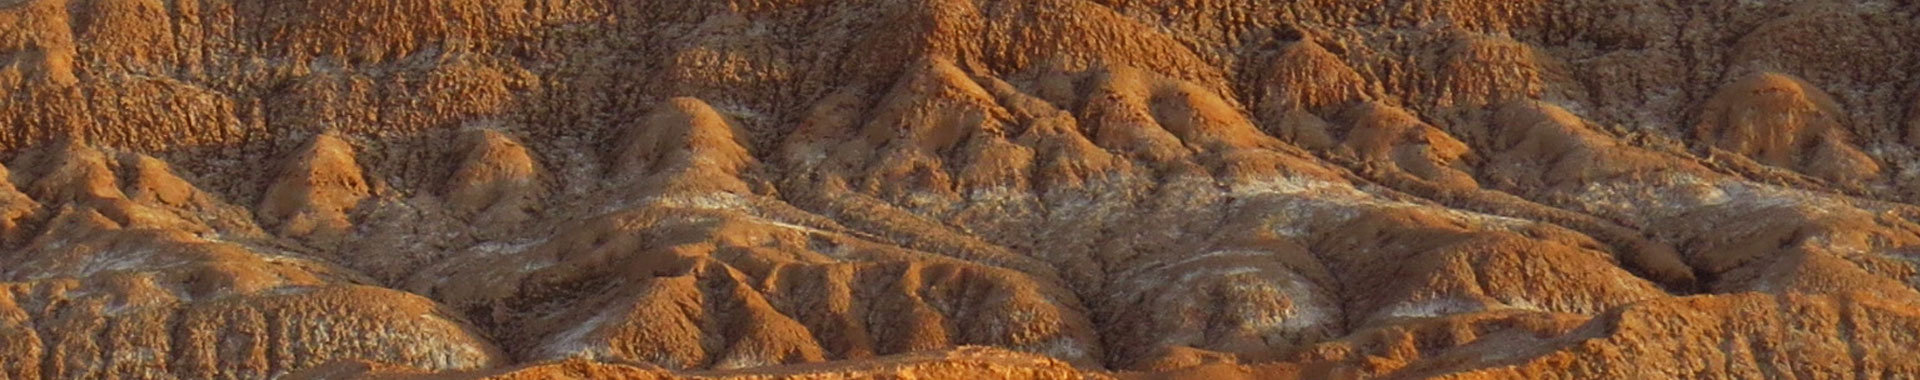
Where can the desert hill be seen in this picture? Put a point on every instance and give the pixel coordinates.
(750, 189)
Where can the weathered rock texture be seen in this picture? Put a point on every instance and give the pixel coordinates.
(1516, 189)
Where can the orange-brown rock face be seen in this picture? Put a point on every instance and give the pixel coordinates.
(1048, 189)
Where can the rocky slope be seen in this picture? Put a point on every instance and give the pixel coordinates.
(1140, 189)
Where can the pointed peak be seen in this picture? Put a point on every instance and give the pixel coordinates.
(940, 75)
(327, 147)
(934, 107)
(1481, 70)
(153, 180)
(316, 188)
(684, 125)
(485, 142)
(1310, 53)
(687, 142)
(1305, 76)
(327, 155)
(496, 171)
(68, 171)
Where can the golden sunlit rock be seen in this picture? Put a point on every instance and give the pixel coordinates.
(959, 189)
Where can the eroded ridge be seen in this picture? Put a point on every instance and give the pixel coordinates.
(958, 189)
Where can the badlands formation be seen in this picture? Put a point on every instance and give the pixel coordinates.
(1049, 189)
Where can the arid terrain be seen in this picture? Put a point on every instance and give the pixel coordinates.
(959, 189)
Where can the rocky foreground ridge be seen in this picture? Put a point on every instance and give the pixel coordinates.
(521, 189)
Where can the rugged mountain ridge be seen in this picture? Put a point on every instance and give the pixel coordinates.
(959, 188)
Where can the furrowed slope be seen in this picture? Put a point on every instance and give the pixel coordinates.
(957, 189)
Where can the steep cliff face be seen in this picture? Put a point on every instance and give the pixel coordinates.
(958, 189)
